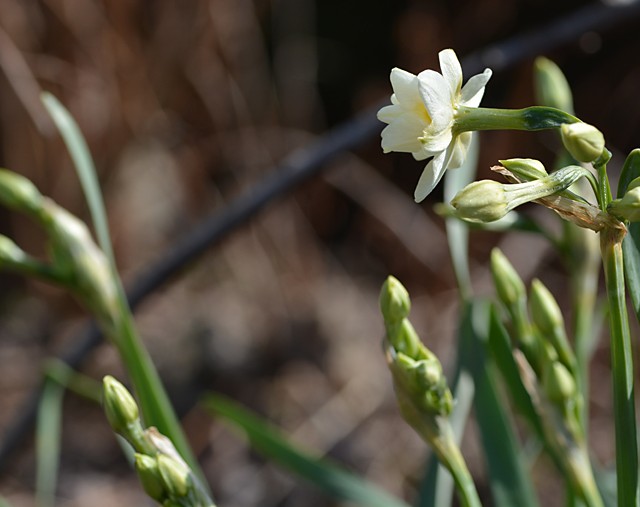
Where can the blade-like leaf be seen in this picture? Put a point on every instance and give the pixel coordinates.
(436, 490)
(85, 168)
(500, 346)
(631, 243)
(48, 434)
(509, 479)
(320, 472)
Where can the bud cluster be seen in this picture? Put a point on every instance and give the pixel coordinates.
(164, 475)
(416, 371)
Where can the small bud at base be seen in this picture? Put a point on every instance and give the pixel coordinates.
(147, 468)
(175, 476)
(583, 141)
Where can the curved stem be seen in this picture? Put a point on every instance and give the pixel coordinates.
(530, 118)
(622, 369)
(448, 453)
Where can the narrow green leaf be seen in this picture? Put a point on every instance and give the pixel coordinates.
(509, 479)
(606, 481)
(60, 372)
(631, 243)
(500, 346)
(85, 168)
(630, 171)
(48, 434)
(320, 472)
(436, 490)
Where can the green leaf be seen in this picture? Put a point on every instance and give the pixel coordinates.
(320, 472)
(85, 168)
(631, 243)
(509, 479)
(499, 344)
(48, 434)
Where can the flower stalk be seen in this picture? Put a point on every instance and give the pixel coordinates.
(423, 396)
(622, 369)
(531, 118)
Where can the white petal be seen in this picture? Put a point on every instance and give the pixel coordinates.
(430, 177)
(402, 135)
(436, 140)
(405, 87)
(451, 70)
(458, 150)
(437, 98)
(421, 155)
(473, 91)
(389, 113)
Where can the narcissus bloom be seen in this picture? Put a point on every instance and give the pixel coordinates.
(422, 117)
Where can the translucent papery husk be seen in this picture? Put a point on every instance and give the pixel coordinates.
(582, 214)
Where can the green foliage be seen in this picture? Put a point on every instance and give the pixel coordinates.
(325, 475)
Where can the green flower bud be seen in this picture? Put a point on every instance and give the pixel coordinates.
(149, 474)
(424, 383)
(10, 253)
(487, 200)
(75, 252)
(119, 405)
(175, 475)
(583, 141)
(552, 87)
(481, 201)
(545, 311)
(394, 300)
(509, 285)
(628, 207)
(18, 193)
(558, 382)
(527, 169)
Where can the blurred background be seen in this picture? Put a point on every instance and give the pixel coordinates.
(187, 105)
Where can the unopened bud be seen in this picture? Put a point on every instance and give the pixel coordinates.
(394, 300)
(509, 285)
(487, 200)
(10, 253)
(75, 252)
(149, 474)
(175, 475)
(18, 193)
(424, 383)
(558, 382)
(527, 169)
(119, 405)
(627, 207)
(481, 201)
(584, 142)
(545, 311)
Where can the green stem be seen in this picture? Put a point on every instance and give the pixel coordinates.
(622, 369)
(582, 258)
(154, 402)
(604, 191)
(448, 453)
(530, 118)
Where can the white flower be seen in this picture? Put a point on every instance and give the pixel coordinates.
(422, 115)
